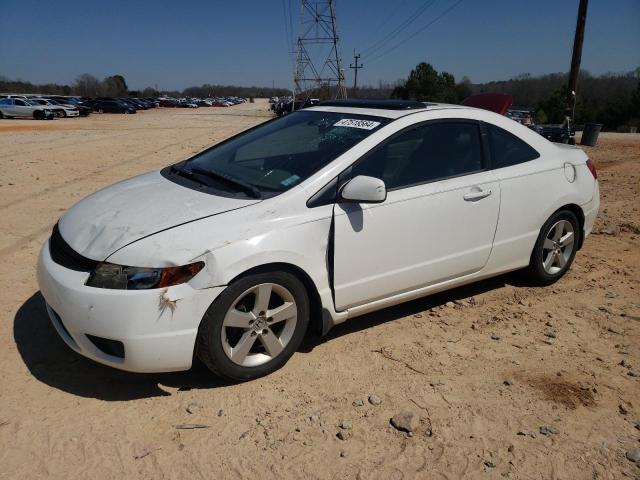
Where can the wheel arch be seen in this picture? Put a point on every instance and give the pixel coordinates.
(577, 211)
(315, 303)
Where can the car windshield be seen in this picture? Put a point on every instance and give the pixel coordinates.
(274, 157)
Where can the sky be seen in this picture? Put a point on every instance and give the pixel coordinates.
(174, 44)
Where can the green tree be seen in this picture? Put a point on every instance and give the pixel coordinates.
(426, 84)
(634, 107)
(150, 92)
(540, 117)
(553, 106)
(87, 85)
(115, 86)
(464, 89)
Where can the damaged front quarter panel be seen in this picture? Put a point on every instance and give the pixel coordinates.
(238, 241)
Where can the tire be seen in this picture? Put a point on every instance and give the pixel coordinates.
(100, 110)
(1, 115)
(269, 337)
(551, 257)
(38, 115)
(60, 114)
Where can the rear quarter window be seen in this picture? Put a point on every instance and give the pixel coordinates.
(507, 149)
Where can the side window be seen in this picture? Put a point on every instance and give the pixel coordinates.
(19, 102)
(425, 153)
(507, 149)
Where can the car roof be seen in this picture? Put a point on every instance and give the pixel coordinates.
(382, 108)
(383, 104)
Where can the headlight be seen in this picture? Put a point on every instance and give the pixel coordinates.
(119, 277)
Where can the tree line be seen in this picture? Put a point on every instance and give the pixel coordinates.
(610, 99)
(87, 85)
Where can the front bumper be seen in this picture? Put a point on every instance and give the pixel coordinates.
(157, 336)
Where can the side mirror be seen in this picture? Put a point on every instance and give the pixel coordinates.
(363, 189)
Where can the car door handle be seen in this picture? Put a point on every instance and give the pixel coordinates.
(476, 195)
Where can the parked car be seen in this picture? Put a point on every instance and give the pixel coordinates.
(310, 219)
(21, 107)
(110, 106)
(130, 103)
(187, 104)
(83, 110)
(167, 102)
(58, 110)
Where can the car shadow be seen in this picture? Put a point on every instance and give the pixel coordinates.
(50, 360)
(53, 363)
(405, 309)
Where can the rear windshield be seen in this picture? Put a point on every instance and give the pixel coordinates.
(280, 154)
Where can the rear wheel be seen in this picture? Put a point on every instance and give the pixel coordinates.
(254, 326)
(555, 248)
(38, 115)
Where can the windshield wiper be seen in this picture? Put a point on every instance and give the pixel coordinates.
(187, 174)
(246, 187)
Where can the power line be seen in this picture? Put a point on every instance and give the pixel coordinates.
(420, 30)
(387, 18)
(396, 31)
(291, 26)
(288, 37)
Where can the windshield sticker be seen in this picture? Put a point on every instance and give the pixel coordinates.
(288, 181)
(356, 123)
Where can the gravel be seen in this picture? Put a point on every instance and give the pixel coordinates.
(405, 421)
(634, 455)
(346, 425)
(548, 430)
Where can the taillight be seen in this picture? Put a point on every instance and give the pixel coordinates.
(592, 168)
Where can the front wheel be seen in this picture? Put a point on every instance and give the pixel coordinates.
(254, 326)
(38, 115)
(555, 248)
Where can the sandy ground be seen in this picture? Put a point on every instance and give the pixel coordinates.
(484, 367)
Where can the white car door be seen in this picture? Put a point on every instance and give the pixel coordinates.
(9, 107)
(437, 223)
(21, 109)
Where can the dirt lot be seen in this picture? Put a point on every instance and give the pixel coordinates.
(484, 367)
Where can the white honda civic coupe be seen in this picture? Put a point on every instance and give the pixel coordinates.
(309, 220)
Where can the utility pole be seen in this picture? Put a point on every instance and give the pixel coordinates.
(315, 69)
(578, 39)
(355, 68)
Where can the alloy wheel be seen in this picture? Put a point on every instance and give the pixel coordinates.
(558, 246)
(259, 324)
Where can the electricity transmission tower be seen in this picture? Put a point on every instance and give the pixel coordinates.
(318, 70)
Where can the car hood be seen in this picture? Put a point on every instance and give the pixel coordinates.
(128, 211)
